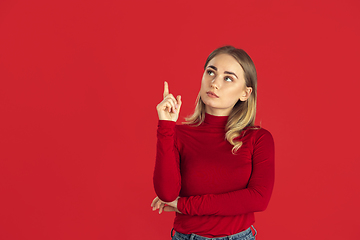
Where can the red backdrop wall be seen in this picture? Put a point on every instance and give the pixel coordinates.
(79, 82)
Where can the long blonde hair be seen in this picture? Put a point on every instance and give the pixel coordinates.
(243, 113)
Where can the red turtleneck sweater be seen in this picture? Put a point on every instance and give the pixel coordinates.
(219, 192)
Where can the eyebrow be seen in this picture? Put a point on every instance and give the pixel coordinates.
(226, 72)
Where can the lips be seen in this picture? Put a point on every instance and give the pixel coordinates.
(211, 94)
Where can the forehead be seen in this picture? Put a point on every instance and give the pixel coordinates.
(226, 62)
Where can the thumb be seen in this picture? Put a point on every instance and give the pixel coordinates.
(168, 208)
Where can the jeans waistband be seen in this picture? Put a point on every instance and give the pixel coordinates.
(246, 234)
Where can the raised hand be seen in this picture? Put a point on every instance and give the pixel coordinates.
(169, 107)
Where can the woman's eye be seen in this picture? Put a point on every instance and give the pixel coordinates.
(228, 79)
(211, 73)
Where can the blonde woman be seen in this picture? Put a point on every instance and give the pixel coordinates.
(216, 169)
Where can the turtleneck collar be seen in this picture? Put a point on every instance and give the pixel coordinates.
(215, 120)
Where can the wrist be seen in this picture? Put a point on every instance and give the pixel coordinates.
(166, 123)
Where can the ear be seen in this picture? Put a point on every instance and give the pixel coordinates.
(246, 94)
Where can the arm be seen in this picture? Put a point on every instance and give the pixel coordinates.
(167, 178)
(254, 198)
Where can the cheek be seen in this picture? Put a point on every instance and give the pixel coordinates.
(203, 88)
(235, 94)
(203, 82)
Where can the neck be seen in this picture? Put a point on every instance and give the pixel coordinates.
(217, 112)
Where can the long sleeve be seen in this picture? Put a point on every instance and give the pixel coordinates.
(167, 178)
(255, 197)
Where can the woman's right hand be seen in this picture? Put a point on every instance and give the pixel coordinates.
(169, 107)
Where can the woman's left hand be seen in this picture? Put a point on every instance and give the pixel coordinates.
(157, 203)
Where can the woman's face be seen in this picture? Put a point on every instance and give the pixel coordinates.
(222, 85)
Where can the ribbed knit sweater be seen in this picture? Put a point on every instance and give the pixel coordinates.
(219, 191)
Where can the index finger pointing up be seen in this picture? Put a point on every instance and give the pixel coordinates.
(166, 89)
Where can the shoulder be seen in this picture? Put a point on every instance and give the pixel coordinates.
(258, 135)
(262, 132)
(257, 131)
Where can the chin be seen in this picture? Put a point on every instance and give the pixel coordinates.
(210, 104)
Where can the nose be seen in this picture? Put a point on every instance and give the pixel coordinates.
(215, 82)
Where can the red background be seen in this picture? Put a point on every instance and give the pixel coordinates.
(80, 81)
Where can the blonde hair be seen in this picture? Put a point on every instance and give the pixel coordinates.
(243, 113)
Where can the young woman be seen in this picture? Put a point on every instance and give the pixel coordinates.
(217, 169)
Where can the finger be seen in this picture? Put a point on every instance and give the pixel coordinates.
(179, 102)
(168, 106)
(171, 97)
(154, 201)
(157, 205)
(161, 207)
(172, 102)
(166, 89)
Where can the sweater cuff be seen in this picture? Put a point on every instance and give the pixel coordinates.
(166, 124)
(181, 204)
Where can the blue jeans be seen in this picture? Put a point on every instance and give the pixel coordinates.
(244, 235)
